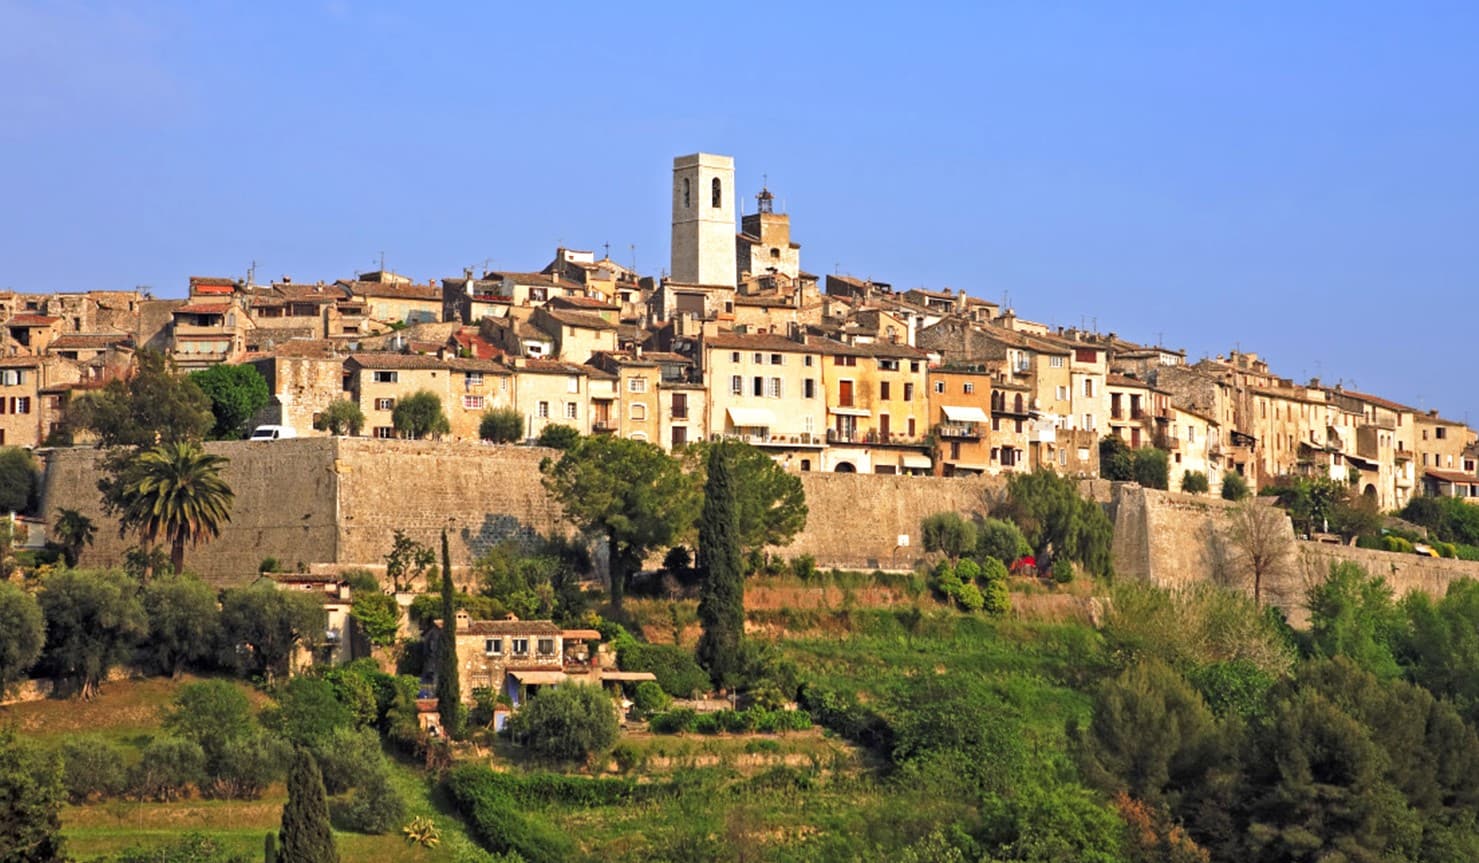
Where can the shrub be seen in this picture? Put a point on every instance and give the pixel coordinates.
(91, 766)
(1194, 482)
(499, 821)
(570, 723)
(992, 570)
(949, 534)
(677, 672)
(996, 600)
(650, 698)
(247, 765)
(969, 597)
(967, 570)
(501, 425)
(1152, 467)
(804, 567)
(376, 806)
(706, 723)
(1234, 487)
(735, 721)
(168, 768)
(1000, 540)
(561, 437)
(346, 756)
(674, 721)
(1397, 544)
(1062, 570)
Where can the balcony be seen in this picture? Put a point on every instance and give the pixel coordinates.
(959, 430)
(805, 439)
(603, 426)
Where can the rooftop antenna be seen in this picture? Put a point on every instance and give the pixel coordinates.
(632, 247)
(382, 262)
(487, 263)
(607, 247)
(1160, 338)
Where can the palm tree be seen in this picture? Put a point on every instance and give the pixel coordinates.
(73, 532)
(175, 492)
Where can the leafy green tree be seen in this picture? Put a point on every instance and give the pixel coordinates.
(248, 764)
(1000, 540)
(308, 712)
(73, 531)
(31, 788)
(92, 766)
(167, 769)
(152, 406)
(379, 615)
(1353, 614)
(407, 561)
(190, 848)
(449, 685)
(211, 713)
(376, 807)
(340, 417)
(264, 626)
(1194, 482)
(306, 835)
(93, 622)
(675, 669)
(1152, 467)
(501, 425)
(1234, 487)
(420, 415)
(949, 534)
(20, 480)
(1056, 521)
(560, 437)
(25, 633)
(1151, 735)
(1439, 646)
(184, 622)
(958, 736)
(769, 501)
(721, 604)
(1050, 821)
(566, 724)
(631, 492)
(1356, 515)
(176, 492)
(1116, 459)
(236, 392)
(346, 756)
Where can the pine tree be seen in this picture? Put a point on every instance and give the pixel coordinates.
(449, 688)
(721, 605)
(306, 836)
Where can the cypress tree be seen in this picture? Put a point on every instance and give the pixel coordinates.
(306, 836)
(721, 604)
(449, 688)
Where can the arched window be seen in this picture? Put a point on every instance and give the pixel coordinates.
(1017, 403)
(687, 198)
(716, 192)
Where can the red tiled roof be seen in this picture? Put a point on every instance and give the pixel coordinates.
(758, 342)
(1377, 400)
(1452, 476)
(203, 309)
(29, 320)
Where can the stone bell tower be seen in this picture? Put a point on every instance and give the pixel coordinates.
(703, 251)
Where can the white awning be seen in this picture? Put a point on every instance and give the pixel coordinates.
(849, 412)
(539, 677)
(959, 466)
(627, 676)
(963, 415)
(914, 460)
(751, 417)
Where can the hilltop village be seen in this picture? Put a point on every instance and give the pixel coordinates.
(825, 373)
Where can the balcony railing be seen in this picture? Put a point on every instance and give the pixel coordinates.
(768, 439)
(959, 430)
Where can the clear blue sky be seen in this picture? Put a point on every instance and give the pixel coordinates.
(1298, 179)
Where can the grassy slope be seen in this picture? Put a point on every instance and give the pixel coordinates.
(127, 713)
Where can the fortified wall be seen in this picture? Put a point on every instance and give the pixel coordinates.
(338, 501)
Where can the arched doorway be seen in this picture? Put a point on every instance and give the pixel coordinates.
(844, 467)
(1369, 491)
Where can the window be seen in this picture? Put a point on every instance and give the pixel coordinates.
(757, 386)
(806, 464)
(914, 366)
(639, 412)
(572, 384)
(22, 405)
(1088, 422)
(12, 377)
(736, 385)
(777, 359)
(384, 432)
(734, 356)
(637, 385)
(521, 646)
(888, 365)
(908, 392)
(1055, 362)
(384, 377)
(884, 390)
(773, 388)
(939, 388)
(1088, 388)
(716, 193)
(570, 411)
(473, 403)
(546, 646)
(759, 358)
(840, 360)
(1085, 355)
(911, 427)
(806, 361)
(541, 410)
(474, 379)
(968, 388)
(687, 197)
(1191, 434)
(1062, 393)
(680, 436)
(493, 646)
(384, 404)
(808, 389)
(1440, 433)
(680, 406)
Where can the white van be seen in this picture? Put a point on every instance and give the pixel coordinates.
(272, 433)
